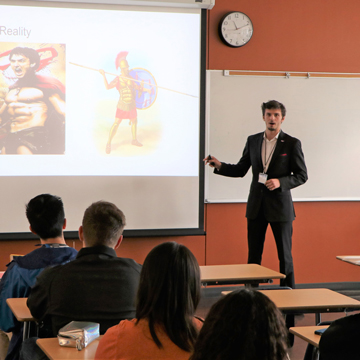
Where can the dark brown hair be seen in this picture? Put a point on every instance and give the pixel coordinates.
(273, 104)
(244, 325)
(169, 292)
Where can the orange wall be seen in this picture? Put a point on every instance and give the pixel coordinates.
(296, 35)
(135, 248)
(321, 231)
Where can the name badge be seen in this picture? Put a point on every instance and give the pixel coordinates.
(262, 178)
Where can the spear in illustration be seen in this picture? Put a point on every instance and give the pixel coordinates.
(130, 78)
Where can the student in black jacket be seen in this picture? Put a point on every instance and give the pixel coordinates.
(97, 286)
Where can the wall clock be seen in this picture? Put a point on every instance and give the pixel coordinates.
(235, 29)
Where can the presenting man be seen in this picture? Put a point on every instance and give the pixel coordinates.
(278, 165)
(47, 220)
(33, 113)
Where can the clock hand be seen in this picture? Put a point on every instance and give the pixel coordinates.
(241, 26)
(236, 31)
(239, 30)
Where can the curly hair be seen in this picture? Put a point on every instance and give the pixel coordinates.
(244, 325)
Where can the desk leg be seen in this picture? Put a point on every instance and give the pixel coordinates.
(26, 332)
(311, 353)
(317, 318)
(316, 354)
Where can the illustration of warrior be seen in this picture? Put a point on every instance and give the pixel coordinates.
(126, 107)
(33, 112)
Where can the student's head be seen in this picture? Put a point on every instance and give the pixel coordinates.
(244, 325)
(24, 60)
(103, 224)
(46, 216)
(273, 104)
(169, 292)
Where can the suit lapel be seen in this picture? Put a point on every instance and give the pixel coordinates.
(259, 142)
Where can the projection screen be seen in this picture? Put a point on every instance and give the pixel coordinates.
(103, 102)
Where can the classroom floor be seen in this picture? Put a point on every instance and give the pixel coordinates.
(211, 294)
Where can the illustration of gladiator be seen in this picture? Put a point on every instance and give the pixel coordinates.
(32, 117)
(128, 89)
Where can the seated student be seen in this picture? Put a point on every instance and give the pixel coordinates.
(46, 216)
(341, 340)
(244, 325)
(97, 286)
(165, 327)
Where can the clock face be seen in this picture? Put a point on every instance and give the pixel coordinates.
(235, 29)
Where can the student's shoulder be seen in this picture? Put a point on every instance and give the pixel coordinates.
(50, 272)
(350, 322)
(44, 251)
(129, 263)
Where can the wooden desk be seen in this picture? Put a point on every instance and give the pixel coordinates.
(310, 301)
(237, 274)
(352, 259)
(54, 351)
(307, 333)
(21, 312)
(19, 308)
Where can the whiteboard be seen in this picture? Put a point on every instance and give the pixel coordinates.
(323, 113)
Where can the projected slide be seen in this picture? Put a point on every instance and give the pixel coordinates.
(98, 92)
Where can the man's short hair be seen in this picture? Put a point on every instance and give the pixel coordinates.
(46, 215)
(29, 53)
(103, 224)
(273, 104)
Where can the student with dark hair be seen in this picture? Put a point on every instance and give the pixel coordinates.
(97, 286)
(46, 217)
(341, 339)
(244, 325)
(165, 326)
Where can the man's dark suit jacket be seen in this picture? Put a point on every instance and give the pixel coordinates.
(97, 286)
(287, 165)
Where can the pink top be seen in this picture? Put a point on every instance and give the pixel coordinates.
(128, 341)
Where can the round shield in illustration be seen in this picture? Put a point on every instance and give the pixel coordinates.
(148, 95)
